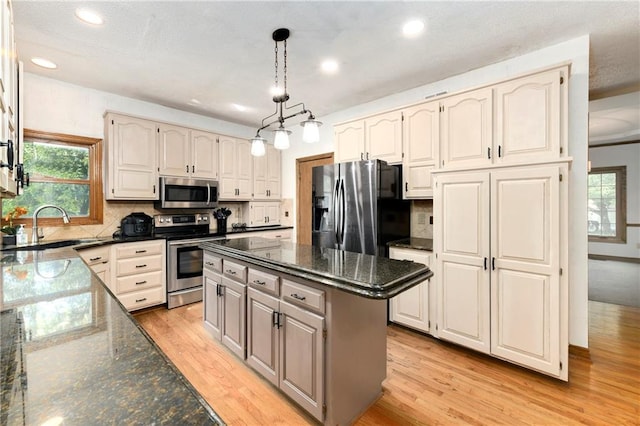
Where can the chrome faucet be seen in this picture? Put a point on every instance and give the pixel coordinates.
(35, 237)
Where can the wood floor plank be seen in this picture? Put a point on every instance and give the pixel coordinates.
(429, 382)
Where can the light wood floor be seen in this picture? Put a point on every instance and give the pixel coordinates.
(429, 381)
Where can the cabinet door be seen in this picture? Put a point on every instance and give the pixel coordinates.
(467, 129)
(132, 158)
(263, 335)
(421, 139)
(383, 137)
(228, 168)
(411, 307)
(349, 142)
(204, 155)
(258, 214)
(212, 303)
(302, 358)
(273, 213)
(530, 118)
(244, 163)
(233, 316)
(274, 173)
(260, 176)
(174, 153)
(525, 283)
(462, 206)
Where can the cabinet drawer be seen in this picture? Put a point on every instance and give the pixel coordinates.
(95, 255)
(235, 271)
(139, 265)
(212, 262)
(139, 249)
(138, 282)
(303, 296)
(264, 281)
(144, 298)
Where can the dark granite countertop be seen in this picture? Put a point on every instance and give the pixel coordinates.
(425, 244)
(73, 355)
(361, 274)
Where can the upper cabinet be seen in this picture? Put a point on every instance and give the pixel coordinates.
(531, 117)
(421, 139)
(377, 137)
(467, 128)
(132, 172)
(10, 133)
(187, 153)
(267, 172)
(236, 174)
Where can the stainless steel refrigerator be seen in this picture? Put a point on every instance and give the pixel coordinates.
(358, 206)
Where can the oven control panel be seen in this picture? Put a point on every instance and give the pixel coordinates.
(189, 219)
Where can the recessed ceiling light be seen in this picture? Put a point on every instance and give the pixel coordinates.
(330, 66)
(89, 16)
(44, 63)
(413, 28)
(238, 107)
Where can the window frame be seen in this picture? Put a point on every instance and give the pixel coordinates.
(621, 205)
(96, 197)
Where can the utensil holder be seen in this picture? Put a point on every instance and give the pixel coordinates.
(222, 225)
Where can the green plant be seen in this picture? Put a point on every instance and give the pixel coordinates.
(14, 213)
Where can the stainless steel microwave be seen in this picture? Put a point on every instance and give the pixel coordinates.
(183, 193)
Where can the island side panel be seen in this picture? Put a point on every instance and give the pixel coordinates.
(356, 355)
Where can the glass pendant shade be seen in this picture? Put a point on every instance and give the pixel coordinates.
(281, 140)
(257, 146)
(310, 130)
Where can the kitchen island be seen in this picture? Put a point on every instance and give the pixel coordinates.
(310, 320)
(71, 354)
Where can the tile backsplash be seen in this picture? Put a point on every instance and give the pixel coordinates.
(421, 213)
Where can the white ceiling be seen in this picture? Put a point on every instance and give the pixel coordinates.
(221, 52)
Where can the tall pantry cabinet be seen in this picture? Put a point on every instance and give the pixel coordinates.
(500, 205)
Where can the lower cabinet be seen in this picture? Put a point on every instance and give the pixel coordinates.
(412, 307)
(224, 307)
(138, 275)
(97, 258)
(285, 345)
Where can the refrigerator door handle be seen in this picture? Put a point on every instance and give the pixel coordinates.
(343, 209)
(336, 212)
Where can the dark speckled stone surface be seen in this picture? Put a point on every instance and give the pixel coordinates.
(84, 360)
(361, 274)
(425, 244)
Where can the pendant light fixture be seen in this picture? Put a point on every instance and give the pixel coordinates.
(310, 133)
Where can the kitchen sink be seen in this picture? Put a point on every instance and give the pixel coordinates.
(53, 244)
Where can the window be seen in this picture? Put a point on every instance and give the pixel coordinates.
(607, 205)
(64, 170)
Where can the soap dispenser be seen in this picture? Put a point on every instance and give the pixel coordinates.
(21, 236)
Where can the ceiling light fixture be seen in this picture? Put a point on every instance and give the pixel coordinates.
(89, 16)
(413, 28)
(310, 133)
(330, 66)
(44, 63)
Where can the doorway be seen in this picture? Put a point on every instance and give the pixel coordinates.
(303, 193)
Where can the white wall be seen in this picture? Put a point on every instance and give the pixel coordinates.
(622, 155)
(54, 106)
(576, 51)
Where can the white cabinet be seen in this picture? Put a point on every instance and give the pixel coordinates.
(267, 172)
(138, 276)
(499, 262)
(97, 258)
(131, 158)
(421, 139)
(375, 137)
(225, 304)
(261, 213)
(285, 342)
(412, 307)
(531, 117)
(188, 153)
(236, 177)
(10, 122)
(467, 128)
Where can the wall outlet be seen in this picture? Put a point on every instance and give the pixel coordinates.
(286, 214)
(430, 220)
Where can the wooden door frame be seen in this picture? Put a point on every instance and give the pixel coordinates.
(299, 162)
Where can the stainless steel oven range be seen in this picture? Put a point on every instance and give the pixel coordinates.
(183, 233)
